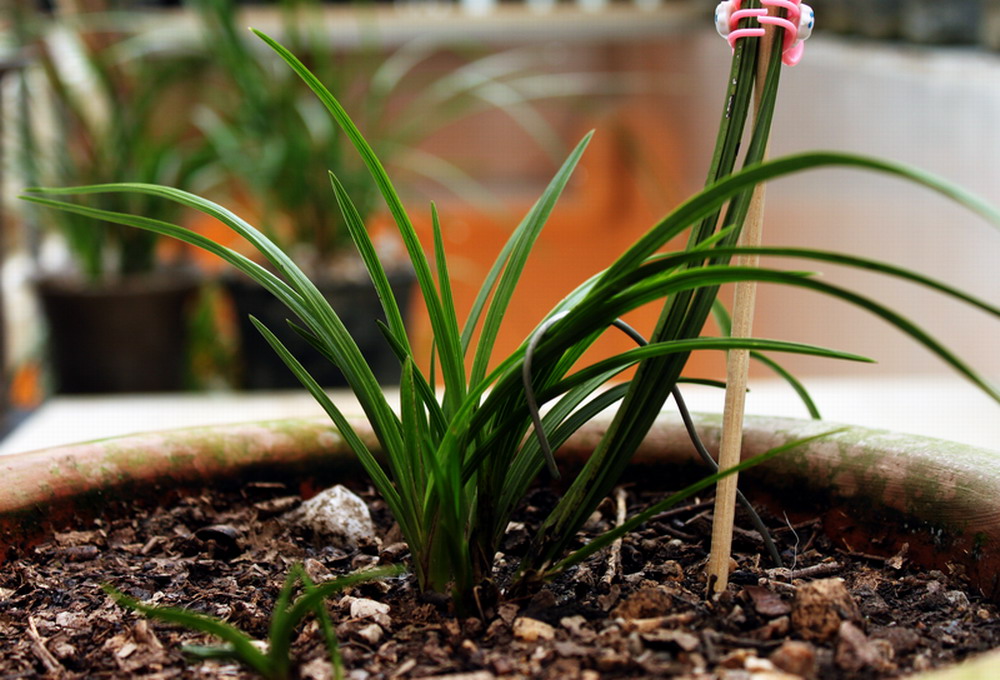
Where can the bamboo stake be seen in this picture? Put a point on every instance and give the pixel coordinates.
(737, 365)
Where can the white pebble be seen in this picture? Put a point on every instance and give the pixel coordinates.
(336, 513)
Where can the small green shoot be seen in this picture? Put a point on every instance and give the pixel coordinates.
(274, 662)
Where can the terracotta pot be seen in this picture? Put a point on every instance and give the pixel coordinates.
(874, 490)
(119, 337)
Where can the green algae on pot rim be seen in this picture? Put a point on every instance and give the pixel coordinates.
(874, 490)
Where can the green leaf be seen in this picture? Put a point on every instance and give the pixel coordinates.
(722, 318)
(242, 648)
(453, 369)
(510, 264)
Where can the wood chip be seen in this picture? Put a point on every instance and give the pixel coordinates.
(766, 602)
(645, 603)
(680, 639)
(51, 664)
(855, 652)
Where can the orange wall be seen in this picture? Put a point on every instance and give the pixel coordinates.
(603, 211)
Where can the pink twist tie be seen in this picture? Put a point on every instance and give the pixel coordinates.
(797, 24)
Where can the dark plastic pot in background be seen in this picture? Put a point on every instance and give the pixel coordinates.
(129, 336)
(358, 306)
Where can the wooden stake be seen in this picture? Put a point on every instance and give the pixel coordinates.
(737, 365)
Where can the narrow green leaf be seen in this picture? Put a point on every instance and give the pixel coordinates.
(521, 240)
(243, 649)
(449, 321)
(454, 374)
(373, 264)
(724, 322)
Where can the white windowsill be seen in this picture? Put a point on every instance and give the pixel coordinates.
(934, 406)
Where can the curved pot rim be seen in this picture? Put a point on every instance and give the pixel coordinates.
(939, 497)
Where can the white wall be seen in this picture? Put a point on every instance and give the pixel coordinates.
(934, 108)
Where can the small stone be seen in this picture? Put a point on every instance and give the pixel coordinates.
(574, 624)
(773, 629)
(316, 570)
(126, 650)
(370, 634)
(319, 668)
(363, 608)
(568, 648)
(772, 675)
(796, 657)
(363, 561)
(502, 666)
(336, 513)
(81, 553)
(759, 667)
(957, 599)
(72, 621)
(63, 650)
(530, 630)
(609, 661)
(508, 612)
(820, 607)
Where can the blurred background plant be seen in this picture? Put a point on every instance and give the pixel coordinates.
(106, 106)
(98, 102)
(274, 145)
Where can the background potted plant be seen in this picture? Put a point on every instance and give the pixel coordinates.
(115, 301)
(457, 464)
(275, 145)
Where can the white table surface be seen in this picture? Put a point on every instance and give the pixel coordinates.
(935, 406)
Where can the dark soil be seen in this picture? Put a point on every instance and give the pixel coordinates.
(638, 612)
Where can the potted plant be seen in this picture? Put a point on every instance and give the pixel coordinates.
(454, 465)
(275, 144)
(114, 303)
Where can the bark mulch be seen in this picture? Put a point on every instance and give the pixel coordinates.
(635, 611)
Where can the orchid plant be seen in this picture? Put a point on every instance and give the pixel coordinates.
(457, 461)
